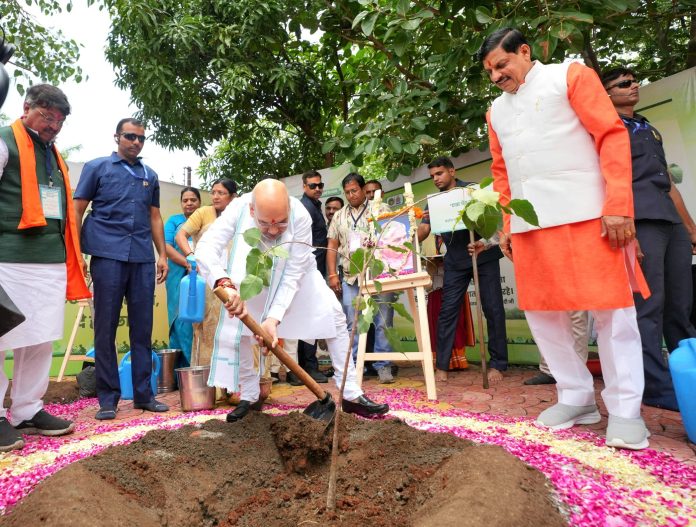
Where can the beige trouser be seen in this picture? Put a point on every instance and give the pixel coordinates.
(580, 326)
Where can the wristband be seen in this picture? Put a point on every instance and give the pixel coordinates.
(332, 275)
(225, 282)
(189, 254)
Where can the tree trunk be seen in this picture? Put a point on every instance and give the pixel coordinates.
(691, 46)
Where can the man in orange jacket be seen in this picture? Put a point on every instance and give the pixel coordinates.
(40, 261)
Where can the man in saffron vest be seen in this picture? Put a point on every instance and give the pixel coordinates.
(557, 141)
(40, 261)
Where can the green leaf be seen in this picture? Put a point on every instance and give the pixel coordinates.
(279, 251)
(525, 210)
(397, 249)
(575, 15)
(411, 148)
(483, 15)
(253, 261)
(474, 210)
(394, 338)
(250, 287)
(419, 123)
(368, 24)
(252, 236)
(401, 42)
(376, 267)
(411, 25)
(358, 19)
(371, 146)
(425, 139)
(402, 7)
(378, 286)
(357, 261)
(394, 144)
(328, 146)
(485, 182)
(401, 310)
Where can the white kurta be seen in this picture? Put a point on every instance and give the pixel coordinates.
(298, 295)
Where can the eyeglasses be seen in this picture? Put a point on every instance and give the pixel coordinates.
(266, 225)
(313, 186)
(623, 84)
(219, 193)
(133, 137)
(50, 120)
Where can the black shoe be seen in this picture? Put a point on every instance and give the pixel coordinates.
(106, 414)
(292, 379)
(45, 424)
(542, 378)
(10, 439)
(318, 376)
(364, 407)
(274, 378)
(153, 405)
(240, 412)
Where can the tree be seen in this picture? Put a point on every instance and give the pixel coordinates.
(41, 53)
(384, 84)
(238, 72)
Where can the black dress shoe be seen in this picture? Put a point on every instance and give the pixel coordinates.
(364, 407)
(318, 376)
(292, 379)
(106, 413)
(153, 405)
(240, 412)
(541, 378)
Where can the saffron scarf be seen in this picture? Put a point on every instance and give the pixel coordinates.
(32, 211)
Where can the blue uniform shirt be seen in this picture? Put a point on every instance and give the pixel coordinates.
(121, 194)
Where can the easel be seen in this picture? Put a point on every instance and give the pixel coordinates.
(68, 350)
(414, 285)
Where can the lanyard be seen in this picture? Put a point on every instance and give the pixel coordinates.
(636, 126)
(356, 220)
(132, 172)
(49, 166)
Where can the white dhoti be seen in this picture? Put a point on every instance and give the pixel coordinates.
(297, 296)
(38, 290)
(620, 354)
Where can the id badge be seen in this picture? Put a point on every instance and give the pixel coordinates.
(51, 202)
(355, 241)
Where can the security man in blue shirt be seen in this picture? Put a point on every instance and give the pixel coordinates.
(667, 236)
(119, 232)
(458, 275)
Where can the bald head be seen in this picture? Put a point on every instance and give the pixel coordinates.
(270, 207)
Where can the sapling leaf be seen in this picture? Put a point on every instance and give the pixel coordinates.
(252, 236)
(357, 260)
(401, 310)
(392, 335)
(398, 249)
(279, 251)
(378, 286)
(524, 210)
(485, 182)
(250, 287)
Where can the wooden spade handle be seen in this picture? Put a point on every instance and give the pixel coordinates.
(278, 351)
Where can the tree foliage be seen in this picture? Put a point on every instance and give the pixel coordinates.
(41, 53)
(284, 86)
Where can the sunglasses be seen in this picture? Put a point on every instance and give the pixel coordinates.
(133, 137)
(313, 186)
(623, 84)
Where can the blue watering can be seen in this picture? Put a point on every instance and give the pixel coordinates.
(192, 296)
(126, 377)
(682, 365)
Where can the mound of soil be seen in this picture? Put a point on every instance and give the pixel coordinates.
(57, 392)
(273, 471)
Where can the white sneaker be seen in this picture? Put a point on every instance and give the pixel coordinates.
(627, 433)
(561, 416)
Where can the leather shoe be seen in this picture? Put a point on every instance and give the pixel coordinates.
(540, 378)
(292, 379)
(318, 376)
(106, 413)
(364, 407)
(242, 409)
(152, 406)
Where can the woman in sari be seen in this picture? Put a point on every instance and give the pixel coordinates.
(222, 193)
(180, 333)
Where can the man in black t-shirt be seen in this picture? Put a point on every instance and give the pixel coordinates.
(458, 275)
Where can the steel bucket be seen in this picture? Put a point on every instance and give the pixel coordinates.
(166, 380)
(194, 391)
